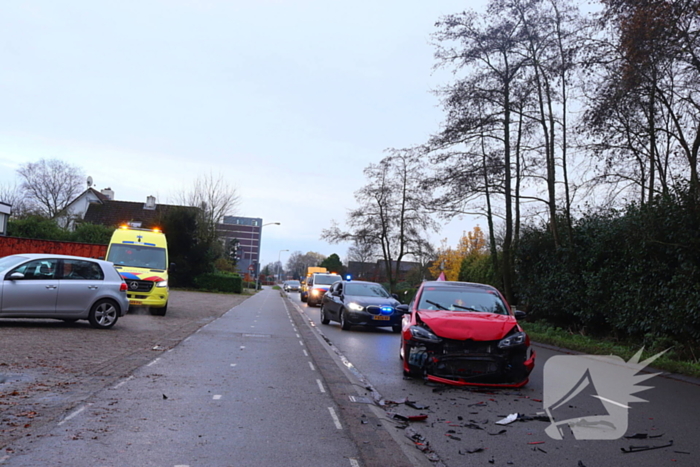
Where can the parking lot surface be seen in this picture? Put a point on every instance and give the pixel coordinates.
(47, 367)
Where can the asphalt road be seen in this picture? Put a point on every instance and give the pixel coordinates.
(220, 382)
(255, 387)
(461, 420)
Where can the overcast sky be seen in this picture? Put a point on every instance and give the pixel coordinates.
(288, 99)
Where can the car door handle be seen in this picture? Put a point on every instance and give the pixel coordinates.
(51, 287)
(93, 287)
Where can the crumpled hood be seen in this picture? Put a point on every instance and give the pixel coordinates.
(155, 275)
(461, 325)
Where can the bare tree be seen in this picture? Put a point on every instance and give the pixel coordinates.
(391, 212)
(362, 251)
(213, 195)
(298, 262)
(12, 194)
(50, 185)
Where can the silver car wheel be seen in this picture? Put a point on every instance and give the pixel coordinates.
(103, 314)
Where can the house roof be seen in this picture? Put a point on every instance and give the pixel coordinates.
(114, 213)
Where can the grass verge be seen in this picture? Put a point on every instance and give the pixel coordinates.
(548, 334)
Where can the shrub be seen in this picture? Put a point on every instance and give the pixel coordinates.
(220, 282)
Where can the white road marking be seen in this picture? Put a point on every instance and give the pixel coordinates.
(335, 418)
(306, 354)
(312, 366)
(320, 385)
(234, 364)
(301, 343)
(123, 382)
(77, 412)
(242, 347)
(154, 362)
(298, 336)
(354, 462)
(217, 397)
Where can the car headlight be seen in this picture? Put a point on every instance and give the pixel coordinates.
(317, 292)
(355, 306)
(424, 335)
(517, 338)
(162, 284)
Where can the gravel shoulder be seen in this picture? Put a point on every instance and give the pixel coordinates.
(47, 367)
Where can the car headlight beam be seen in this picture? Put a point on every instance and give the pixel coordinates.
(355, 306)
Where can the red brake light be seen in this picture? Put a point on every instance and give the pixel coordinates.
(123, 287)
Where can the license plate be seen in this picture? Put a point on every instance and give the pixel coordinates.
(381, 318)
(135, 302)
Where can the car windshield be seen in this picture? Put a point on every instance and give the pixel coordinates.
(461, 299)
(366, 290)
(325, 279)
(293, 283)
(9, 261)
(137, 256)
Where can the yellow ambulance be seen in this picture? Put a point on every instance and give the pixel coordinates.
(141, 257)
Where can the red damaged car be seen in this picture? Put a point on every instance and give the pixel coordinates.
(464, 334)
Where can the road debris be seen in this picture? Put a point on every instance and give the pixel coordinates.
(646, 448)
(643, 436)
(410, 418)
(509, 419)
(471, 451)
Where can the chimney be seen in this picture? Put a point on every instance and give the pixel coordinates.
(150, 203)
(108, 193)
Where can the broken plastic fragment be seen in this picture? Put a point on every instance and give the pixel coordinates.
(509, 419)
(646, 448)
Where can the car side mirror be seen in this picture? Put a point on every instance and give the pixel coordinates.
(16, 275)
(403, 309)
(520, 314)
(395, 296)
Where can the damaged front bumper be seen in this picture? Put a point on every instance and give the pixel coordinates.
(471, 363)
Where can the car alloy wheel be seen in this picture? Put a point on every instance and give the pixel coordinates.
(103, 314)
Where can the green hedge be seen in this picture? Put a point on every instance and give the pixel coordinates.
(220, 282)
(633, 274)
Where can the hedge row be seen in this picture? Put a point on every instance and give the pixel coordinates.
(220, 282)
(631, 274)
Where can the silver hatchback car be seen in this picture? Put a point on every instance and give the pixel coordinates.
(62, 287)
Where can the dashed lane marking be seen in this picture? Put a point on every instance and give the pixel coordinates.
(74, 414)
(335, 418)
(312, 366)
(217, 397)
(320, 385)
(154, 361)
(118, 385)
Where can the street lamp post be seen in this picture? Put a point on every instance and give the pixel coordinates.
(279, 266)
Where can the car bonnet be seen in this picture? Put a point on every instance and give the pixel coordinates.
(461, 325)
(366, 301)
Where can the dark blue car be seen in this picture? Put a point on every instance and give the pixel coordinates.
(360, 303)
